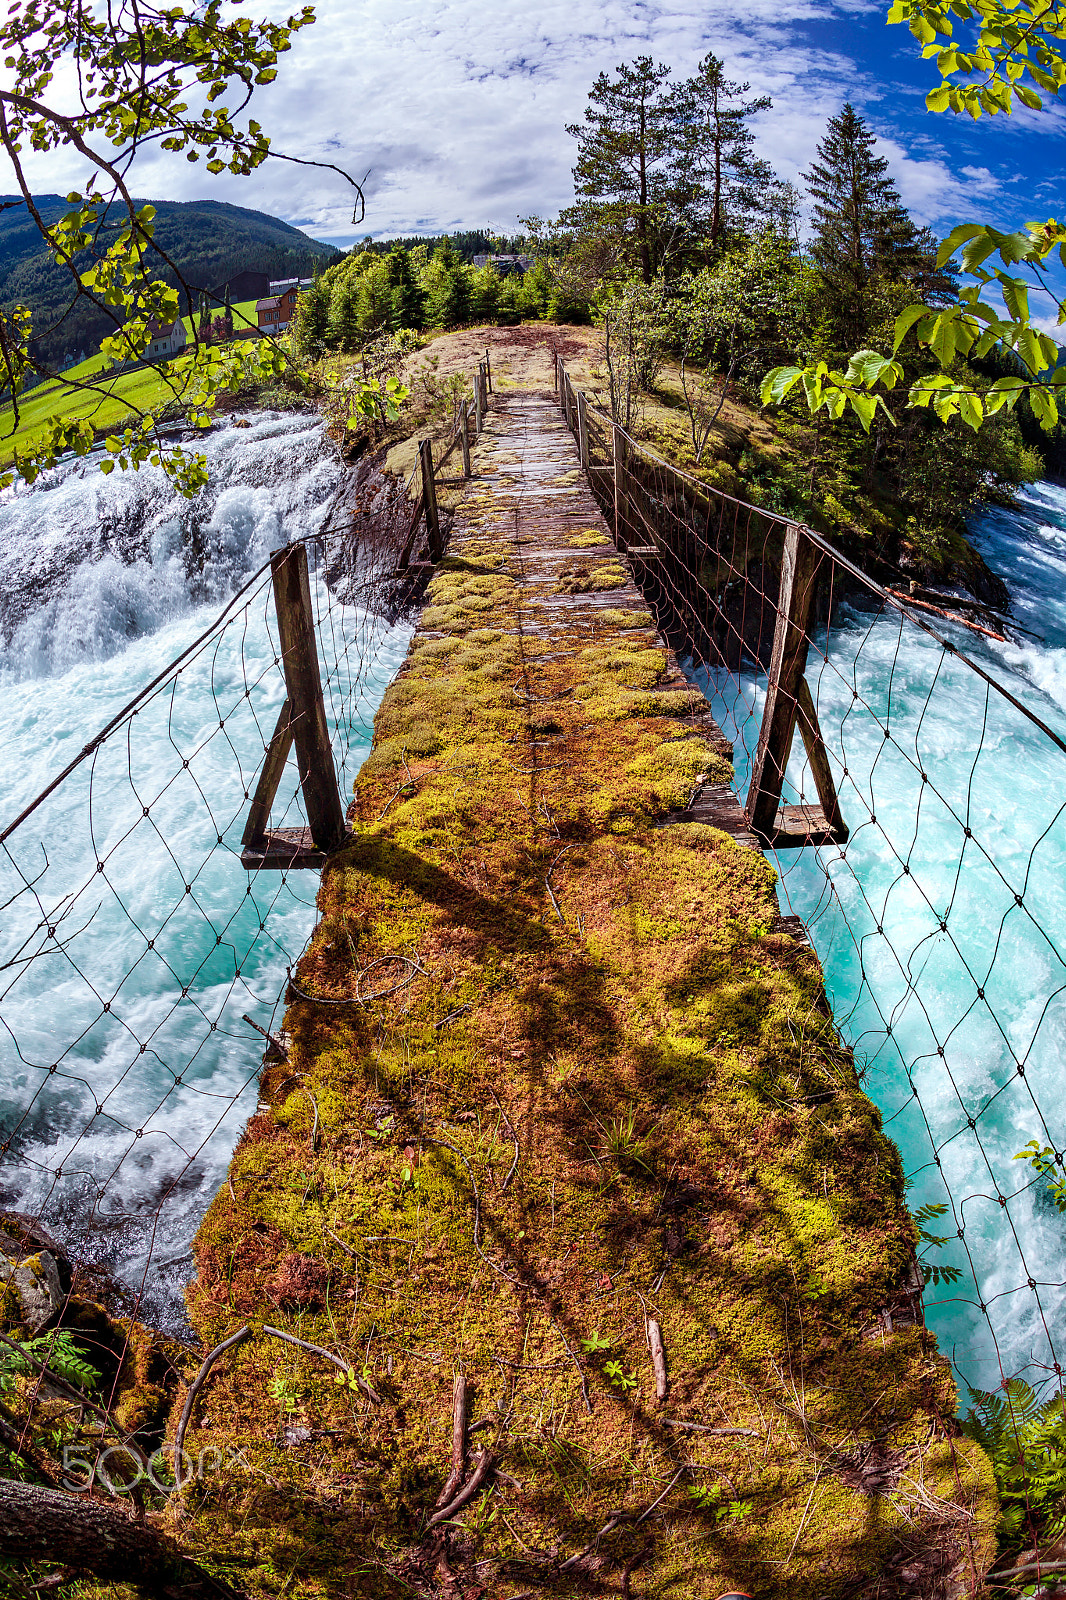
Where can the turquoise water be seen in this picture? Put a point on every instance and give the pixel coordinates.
(944, 949)
(142, 973)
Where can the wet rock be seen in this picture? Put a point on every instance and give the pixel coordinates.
(38, 1293)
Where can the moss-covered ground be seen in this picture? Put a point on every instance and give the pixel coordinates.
(555, 1069)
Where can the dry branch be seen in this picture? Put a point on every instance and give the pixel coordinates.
(197, 1384)
(467, 1493)
(658, 1359)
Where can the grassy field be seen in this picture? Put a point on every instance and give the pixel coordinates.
(112, 399)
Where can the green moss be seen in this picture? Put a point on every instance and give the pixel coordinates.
(593, 1085)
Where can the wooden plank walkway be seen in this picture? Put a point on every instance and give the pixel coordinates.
(560, 1075)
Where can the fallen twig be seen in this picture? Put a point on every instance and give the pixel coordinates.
(271, 1038)
(327, 1355)
(644, 1515)
(514, 1136)
(455, 1476)
(197, 1384)
(467, 1493)
(658, 1359)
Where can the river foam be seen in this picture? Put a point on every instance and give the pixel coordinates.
(138, 1000)
(941, 927)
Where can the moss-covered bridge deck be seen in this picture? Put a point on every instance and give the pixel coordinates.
(556, 1070)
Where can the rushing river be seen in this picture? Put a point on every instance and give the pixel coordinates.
(138, 1003)
(944, 949)
(138, 1000)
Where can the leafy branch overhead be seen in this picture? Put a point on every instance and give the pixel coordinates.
(180, 78)
(971, 326)
(1012, 40)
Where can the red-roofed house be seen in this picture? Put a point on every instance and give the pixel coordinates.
(276, 312)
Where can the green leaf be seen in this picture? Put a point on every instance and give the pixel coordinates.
(938, 99)
(957, 236)
(777, 383)
(864, 407)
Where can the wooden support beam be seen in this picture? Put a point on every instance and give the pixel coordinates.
(818, 761)
(277, 753)
(619, 487)
(303, 681)
(429, 495)
(800, 561)
(582, 431)
(464, 436)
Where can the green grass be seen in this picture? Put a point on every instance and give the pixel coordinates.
(112, 399)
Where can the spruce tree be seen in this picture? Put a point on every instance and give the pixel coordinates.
(716, 180)
(344, 314)
(408, 307)
(621, 149)
(862, 233)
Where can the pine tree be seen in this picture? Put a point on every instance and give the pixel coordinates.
(408, 309)
(344, 315)
(311, 324)
(621, 148)
(862, 233)
(448, 288)
(716, 179)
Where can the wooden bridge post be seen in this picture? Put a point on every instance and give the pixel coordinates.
(488, 369)
(464, 437)
(582, 431)
(483, 379)
(302, 721)
(429, 494)
(617, 451)
(477, 403)
(555, 369)
(787, 696)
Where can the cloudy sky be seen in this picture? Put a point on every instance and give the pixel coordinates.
(458, 109)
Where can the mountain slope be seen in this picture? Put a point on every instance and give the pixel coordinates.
(209, 241)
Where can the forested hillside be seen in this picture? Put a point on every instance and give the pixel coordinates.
(208, 240)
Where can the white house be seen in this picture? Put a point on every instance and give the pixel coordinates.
(165, 340)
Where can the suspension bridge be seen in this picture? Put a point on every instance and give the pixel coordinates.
(560, 1127)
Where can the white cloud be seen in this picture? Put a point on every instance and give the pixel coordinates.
(459, 109)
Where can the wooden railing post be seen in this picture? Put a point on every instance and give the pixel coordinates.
(619, 488)
(307, 713)
(582, 431)
(464, 437)
(483, 378)
(429, 495)
(555, 370)
(561, 374)
(800, 561)
(488, 370)
(477, 402)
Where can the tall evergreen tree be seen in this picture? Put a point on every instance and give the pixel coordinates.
(862, 233)
(621, 147)
(408, 307)
(344, 314)
(716, 179)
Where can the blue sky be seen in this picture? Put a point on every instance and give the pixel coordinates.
(458, 108)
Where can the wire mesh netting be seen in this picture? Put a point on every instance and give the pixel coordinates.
(139, 959)
(938, 912)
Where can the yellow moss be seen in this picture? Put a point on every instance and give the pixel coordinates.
(600, 1087)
